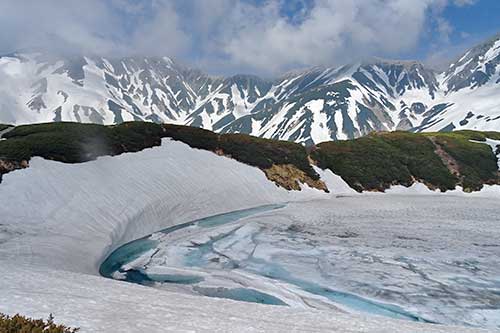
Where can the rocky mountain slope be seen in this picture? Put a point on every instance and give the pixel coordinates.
(312, 106)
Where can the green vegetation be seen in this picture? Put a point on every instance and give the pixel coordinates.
(468, 135)
(263, 153)
(20, 324)
(76, 143)
(379, 160)
(258, 152)
(477, 164)
(192, 136)
(374, 162)
(4, 127)
(57, 141)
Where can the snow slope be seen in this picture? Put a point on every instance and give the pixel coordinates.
(101, 305)
(121, 198)
(59, 221)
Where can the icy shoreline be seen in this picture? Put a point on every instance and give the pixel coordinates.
(435, 260)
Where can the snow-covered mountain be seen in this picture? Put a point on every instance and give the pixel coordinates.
(311, 106)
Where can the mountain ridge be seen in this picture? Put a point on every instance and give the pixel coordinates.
(307, 106)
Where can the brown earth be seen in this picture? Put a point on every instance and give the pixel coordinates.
(447, 159)
(8, 166)
(290, 177)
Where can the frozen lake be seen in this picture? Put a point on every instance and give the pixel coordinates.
(430, 258)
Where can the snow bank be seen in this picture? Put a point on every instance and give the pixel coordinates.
(488, 191)
(72, 216)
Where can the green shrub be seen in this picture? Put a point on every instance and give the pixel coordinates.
(419, 156)
(469, 135)
(133, 136)
(76, 142)
(377, 161)
(192, 136)
(4, 127)
(263, 153)
(66, 142)
(21, 324)
(476, 162)
(374, 162)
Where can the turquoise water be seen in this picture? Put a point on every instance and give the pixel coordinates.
(198, 258)
(175, 278)
(126, 254)
(217, 220)
(133, 250)
(355, 302)
(240, 294)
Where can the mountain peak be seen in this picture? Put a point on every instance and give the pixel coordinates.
(384, 61)
(476, 67)
(307, 106)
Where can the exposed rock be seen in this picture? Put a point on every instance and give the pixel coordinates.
(8, 166)
(290, 177)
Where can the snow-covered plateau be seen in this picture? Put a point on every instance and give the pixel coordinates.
(342, 262)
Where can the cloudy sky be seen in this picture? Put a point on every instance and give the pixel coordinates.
(253, 36)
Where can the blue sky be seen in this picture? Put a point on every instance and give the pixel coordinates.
(479, 20)
(469, 25)
(264, 37)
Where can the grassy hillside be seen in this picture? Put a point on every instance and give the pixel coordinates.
(3, 127)
(264, 153)
(76, 143)
(440, 160)
(374, 162)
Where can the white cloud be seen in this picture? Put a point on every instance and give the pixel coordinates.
(76, 25)
(444, 28)
(225, 35)
(335, 31)
(462, 3)
(160, 34)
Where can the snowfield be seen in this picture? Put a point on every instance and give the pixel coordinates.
(58, 222)
(101, 305)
